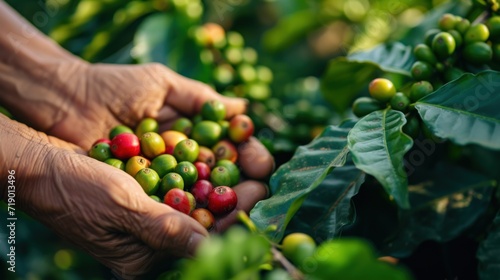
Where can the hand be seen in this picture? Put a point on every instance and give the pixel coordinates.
(102, 209)
(103, 96)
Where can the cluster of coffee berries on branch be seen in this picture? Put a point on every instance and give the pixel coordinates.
(233, 68)
(191, 167)
(456, 47)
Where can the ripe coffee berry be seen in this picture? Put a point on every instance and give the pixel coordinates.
(204, 217)
(222, 200)
(203, 170)
(240, 128)
(125, 145)
(200, 190)
(178, 199)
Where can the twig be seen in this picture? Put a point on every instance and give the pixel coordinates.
(287, 265)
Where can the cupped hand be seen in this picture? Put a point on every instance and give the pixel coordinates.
(107, 95)
(102, 209)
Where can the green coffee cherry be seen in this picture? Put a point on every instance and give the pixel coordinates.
(364, 106)
(443, 44)
(462, 26)
(119, 129)
(457, 36)
(412, 127)
(223, 74)
(421, 71)
(213, 110)
(382, 89)
(148, 179)
(220, 176)
(116, 163)
(206, 133)
(448, 22)
(494, 28)
(170, 181)
(234, 39)
(424, 53)
(478, 53)
(429, 36)
(477, 33)
(400, 102)
(233, 170)
(420, 89)
(146, 125)
(183, 125)
(101, 152)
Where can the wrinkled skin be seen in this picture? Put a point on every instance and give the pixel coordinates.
(99, 208)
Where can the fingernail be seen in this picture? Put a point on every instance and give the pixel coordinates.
(194, 243)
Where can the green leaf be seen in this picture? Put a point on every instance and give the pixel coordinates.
(294, 180)
(346, 77)
(378, 146)
(443, 207)
(153, 39)
(488, 253)
(465, 111)
(327, 209)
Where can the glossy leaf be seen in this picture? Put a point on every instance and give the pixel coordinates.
(465, 111)
(378, 145)
(152, 39)
(347, 76)
(328, 208)
(443, 207)
(488, 253)
(294, 180)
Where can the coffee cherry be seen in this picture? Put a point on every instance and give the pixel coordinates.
(171, 139)
(297, 247)
(462, 26)
(203, 170)
(224, 125)
(146, 125)
(381, 89)
(224, 149)
(102, 140)
(363, 106)
(222, 200)
(170, 181)
(478, 53)
(188, 172)
(213, 110)
(412, 127)
(447, 22)
(477, 33)
(200, 190)
(136, 163)
(420, 89)
(152, 144)
(118, 130)
(192, 201)
(183, 125)
(493, 24)
(116, 163)
(429, 36)
(207, 156)
(204, 217)
(220, 176)
(100, 151)
(424, 53)
(206, 133)
(163, 164)
(443, 44)
(148, 179)
(400, 102)
(186, 150)
(240, 128)
(457, 37)
(234, 171)
(177, 199)
(421, 71)
(125, 145)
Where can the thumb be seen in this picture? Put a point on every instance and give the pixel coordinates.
(167, 230)
(188, 96)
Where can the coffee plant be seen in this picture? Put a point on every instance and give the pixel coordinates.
(382, 116)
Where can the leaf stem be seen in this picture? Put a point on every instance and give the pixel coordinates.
(295, 273)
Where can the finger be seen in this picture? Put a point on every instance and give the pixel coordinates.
(188, 96)
(167, 114)
(255, 160)
(167, 230)
(66, 145)
(249, 193)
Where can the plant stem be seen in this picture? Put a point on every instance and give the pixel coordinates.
(287, 265)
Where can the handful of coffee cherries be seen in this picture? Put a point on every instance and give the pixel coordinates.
(191, 167)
